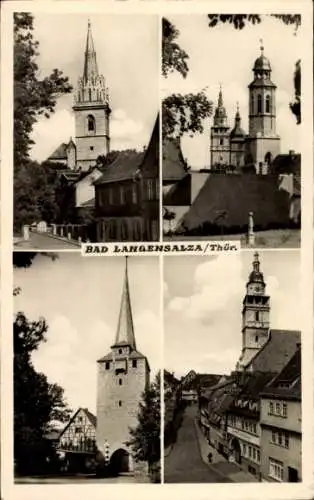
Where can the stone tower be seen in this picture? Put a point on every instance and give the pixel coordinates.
(237, 143)
(91, 109)
(123, 375)
(255, 315)
(263, 143)
(219, 137)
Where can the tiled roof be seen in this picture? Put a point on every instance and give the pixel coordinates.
(60, 153)
(288, 383)
(125, 166)
(217, 202)
(280, 347)
(109, 356)
(173, 165)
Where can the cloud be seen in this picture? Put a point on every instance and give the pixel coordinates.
(123, 127)
(49, 133)
(70, 359)
(215, 283)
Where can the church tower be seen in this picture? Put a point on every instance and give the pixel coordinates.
(264, 143)
(255, 315)
(123, 375)
(219, 137)
(91, 109)
(237, 143)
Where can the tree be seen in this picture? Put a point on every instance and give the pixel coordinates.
(36, 402)
(25, 259)
(33, 97)
(145, 438)
(180, 113)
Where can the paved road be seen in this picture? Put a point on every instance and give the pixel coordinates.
(44, 242)
(184, 463)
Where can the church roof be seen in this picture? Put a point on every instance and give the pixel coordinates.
(217, 203)
(110, 356)
(277, 351)
(256, 275)
(174, 166)
(125, 331)
(262, 63)
(60, 153)
(90, 62)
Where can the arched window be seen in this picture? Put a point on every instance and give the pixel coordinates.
(252, 103)
(267, 104)
(268, 158)
(259, 103)
(91, 125)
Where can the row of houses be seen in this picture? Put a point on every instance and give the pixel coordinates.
(120, 199)
(255, 420)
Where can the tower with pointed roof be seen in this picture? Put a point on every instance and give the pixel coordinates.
(237, 143)
(219, 137)
(263, 143)
(123, 375)
(92, 110)
(255, 315)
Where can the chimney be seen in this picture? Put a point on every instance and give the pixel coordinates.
(291, 152)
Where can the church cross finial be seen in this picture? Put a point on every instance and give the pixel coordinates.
(262, 45)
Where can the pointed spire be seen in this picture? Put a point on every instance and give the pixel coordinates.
(90, 62)
(237, 116)
(220, 99)
(220, 117)
(125, 332)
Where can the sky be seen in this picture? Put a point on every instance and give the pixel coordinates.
(203, 301)
(127, 56)
(80, 299)
(224, 55)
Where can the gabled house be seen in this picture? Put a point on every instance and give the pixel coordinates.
(281, 425)
(127, 196)
(77, 442)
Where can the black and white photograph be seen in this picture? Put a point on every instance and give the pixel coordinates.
(87, 354)
(233, 368)
(86, 135)
(231, 114)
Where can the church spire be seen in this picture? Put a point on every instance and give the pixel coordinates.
(220, 118)
(125, 331)
(90, 62)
